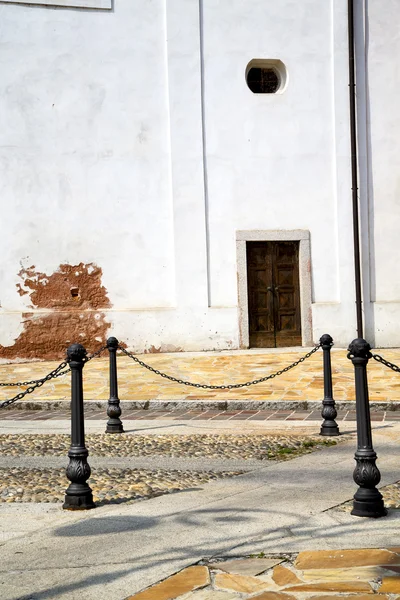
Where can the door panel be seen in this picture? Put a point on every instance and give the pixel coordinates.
(261, 310)
(274, 294)
(287, 293)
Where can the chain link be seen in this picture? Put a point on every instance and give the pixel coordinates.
(385, 362)
(38, 383)
(33, 381)
(58, 372)
(96, 354)
(233, 386)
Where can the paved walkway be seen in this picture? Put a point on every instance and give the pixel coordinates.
(116, 551)
(303, 383)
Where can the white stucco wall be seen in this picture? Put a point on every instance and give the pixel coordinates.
(382, 47)
(129, 138)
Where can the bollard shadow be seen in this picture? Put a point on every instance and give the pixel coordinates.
(131, 499)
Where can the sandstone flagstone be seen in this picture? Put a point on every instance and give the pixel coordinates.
(332, 586)
(209, 594)
(355, 573)
(247, 566)
(371, 596)
(187, 580)
(390, 585)
(284, 576)
(336, 559)
(273, 596)
(240, 583)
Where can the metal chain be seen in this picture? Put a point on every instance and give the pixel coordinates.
(96, 354)
(219, 387)
(38, 383)
(33, 381)
(385, 362)
(20, 383)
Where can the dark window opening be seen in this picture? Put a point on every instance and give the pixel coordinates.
(263, 80)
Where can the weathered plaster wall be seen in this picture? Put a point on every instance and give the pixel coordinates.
(66, 307)
(84, 156)
(130, 144)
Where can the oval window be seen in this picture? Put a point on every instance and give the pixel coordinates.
(263, 80)
(266, 76)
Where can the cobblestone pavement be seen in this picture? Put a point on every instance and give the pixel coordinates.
(304, 382)
(116, 485)
(316, 575)
(254, 446)
(109, 486)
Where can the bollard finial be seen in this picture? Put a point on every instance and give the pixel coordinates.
(76, 352)
(359, 348)
(326, 340)
(113, 343)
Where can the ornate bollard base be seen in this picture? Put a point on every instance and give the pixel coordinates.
(329, 426)
(368, 503)
(114, 423)
(78, 497)
(329, 430)
(114, 426)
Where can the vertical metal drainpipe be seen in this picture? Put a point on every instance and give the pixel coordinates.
(354, 172)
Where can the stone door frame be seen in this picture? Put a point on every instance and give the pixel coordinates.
(275, 235)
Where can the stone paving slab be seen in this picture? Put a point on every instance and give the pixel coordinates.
(360, 574)
(303, 383)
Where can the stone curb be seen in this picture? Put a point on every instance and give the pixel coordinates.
(221, 405)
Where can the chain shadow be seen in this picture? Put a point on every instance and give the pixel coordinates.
(208, 520)
(56, 591)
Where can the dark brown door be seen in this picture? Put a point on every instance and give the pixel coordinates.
(274, 294)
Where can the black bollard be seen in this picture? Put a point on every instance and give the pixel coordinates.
(368, 501)
(114, 423)
(329, 413)
(78, 496)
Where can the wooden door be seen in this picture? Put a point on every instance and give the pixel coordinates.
(273, 294)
